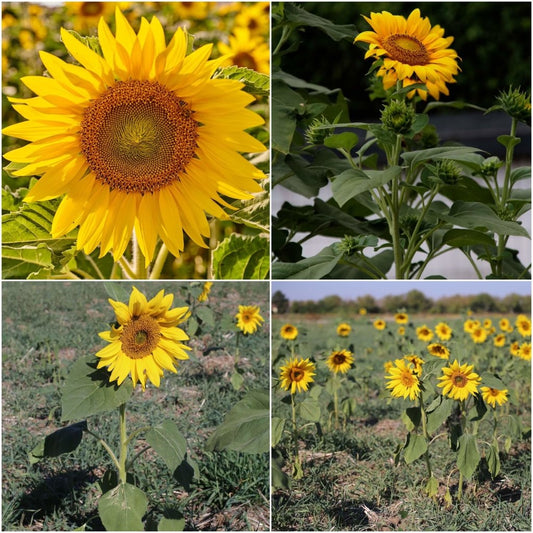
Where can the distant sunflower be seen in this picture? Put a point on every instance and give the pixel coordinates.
(479, 335)
(505, 325)
(494, 396)
(85, 15)
(343, 330)
(443, 331)
(248, 318)
(401, 318)
(380, 324)
(245, 50)
(470, 325)
(140, 139)
(289, 332)
(525, 351)
(340, 361)
(523, 325)
(255, 17)
(192, 10)
(499, 340)
(403, 380)
(459, 381)
(297, 374)
(424, 333)
(205, 291)
(146, 340)
(439, 350)
(412, 52)
(401, 330)
(362, 311)
(487, 323)
(515, 349)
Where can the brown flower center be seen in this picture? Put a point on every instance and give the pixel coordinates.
(406, 49)
(459, 380)
(91, 9)
(407, 379)
(245, 60)
(339, 359)
(297, 374)
(138, 136)
(140, 336)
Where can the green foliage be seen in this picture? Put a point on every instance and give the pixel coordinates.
(122, 508)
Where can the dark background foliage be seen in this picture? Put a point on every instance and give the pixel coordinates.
(493, 40)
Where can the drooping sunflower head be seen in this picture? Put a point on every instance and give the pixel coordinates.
(439, 350)
(141, 139)
(146, 340)
(411, 51)
(459, 381)
(401, 318)
(379, 324)
(424, 333)
(403, 380)
(523, 325)
(494, 396)
(343, 330)
(205, 291)
(340, 361)
(289, 332)
(443, 331)
(297, 374)
(248, 318)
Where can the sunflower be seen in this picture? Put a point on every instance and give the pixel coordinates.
(246, 51)
(515, 349)
(439, 350)
(140, 139)
(459, 381)
(401, 331)
(340, 361)
(411, 52)
(192, 10)
(505, 325)
(380, 324)
(416, 363)
(255, 18)
(401, 318)
(387, 365)
(297, 374)
(424, 333)
(470, 325)
(403, 380)
(248, 318)
(289, 332)
(487, 323)
(343, 330)
(499, 340)
(525, 351)
(523, 325)
(494, 396)
(479, 335)
(205, 291)
(362, 311)
(146, 340)
(85, 15)
(443, 331)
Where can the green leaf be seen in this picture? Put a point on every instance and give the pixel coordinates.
(493, 458)
(117, 291)
(171, 524)
(206, 315)
(520, 173)
(87, 391)
(311, 268)
(246, 427)
(432, 487)
(508, 141)
(468, 455)
(438, 416)
(254, 213)
(411, 417)
(242, 257)
(254, 82)
(474, 215)
(277, 430)
(122, 508)
(346, 140)
(309, 409)
(466, 154)
(352, 182)
(489, 380)
(415, 447)
(26, 260)
(236, 381)
(63, 440)
(280, 480)
(459, 238)
(285, 104)
(168, 442)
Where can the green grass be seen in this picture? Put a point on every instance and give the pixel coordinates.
(46, 326)
(350, 481)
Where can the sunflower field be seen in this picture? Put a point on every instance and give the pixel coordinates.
(412, 421)
(186, 448)
(126, 173)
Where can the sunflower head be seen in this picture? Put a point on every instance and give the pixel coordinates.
(340, 361)
(248, 318)
(398, 116)
(525, 351)
(494, 396)
(424, 333)
(516, 103)
(343, 330)
(144, 340)
(479, 335)
(379, 324)
(459, 381)
(439, 350)
(499, 340)
(523, 324)
(297, 374)
(403, 380)
(443, 331)
(289, 332)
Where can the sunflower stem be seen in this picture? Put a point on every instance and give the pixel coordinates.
(123, 444)
(426, 434)
(139, 269)
(159, 262)
(106, 447)
(336, 401)
(296, 453)
(126, 268)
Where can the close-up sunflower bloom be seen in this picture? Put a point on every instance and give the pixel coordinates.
(403, 380)
(424, 333)
(412, 51)
(288, 332)
(139, 141)
(297, 374)
(343, 330)
(459, 381)
(249, 319)
(439, 350)
(145, 340)
(494, 396)
(340, 361)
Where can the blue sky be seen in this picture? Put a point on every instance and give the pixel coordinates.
(350, 290)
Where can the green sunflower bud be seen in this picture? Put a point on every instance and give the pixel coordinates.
(516, 103)
(447, 171)
(317, 131)
(489, 167)
(398, 116)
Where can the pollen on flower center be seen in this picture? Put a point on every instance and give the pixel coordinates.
(140, 336)
(407, 49)
(459, 381)
(407, 379)
(296, 374)
(138, 136)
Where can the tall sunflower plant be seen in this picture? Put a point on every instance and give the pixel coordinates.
(146, 158)
(392, 196)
